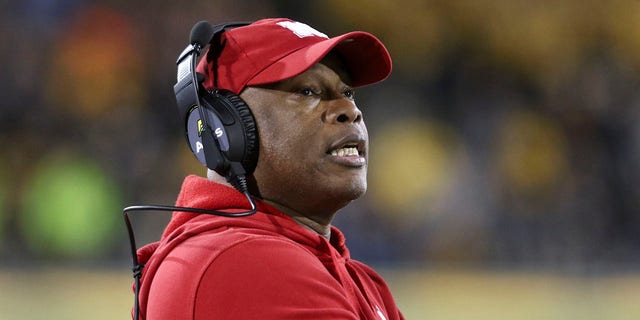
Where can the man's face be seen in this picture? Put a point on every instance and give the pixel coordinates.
(313, 141)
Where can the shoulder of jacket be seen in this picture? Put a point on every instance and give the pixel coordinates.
(208, 246)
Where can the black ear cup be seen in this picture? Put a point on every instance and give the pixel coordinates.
(230, 136)
(247, 150)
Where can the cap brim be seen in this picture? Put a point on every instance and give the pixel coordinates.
(366, 58)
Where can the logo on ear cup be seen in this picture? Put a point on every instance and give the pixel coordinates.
(219, 132)
(200, 127)
(195, 129)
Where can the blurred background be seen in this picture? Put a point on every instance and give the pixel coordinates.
(504, 178)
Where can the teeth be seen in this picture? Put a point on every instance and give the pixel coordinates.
(348, 151)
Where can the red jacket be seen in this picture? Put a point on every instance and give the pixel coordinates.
(264, 266)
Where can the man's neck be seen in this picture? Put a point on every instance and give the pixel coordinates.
(309, 223)
(323, 229)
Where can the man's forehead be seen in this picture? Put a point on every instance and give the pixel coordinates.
(336, 63)
(319, 72)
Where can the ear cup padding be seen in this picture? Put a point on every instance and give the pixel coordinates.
(247, 121)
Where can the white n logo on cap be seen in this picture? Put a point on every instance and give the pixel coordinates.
(301, 30)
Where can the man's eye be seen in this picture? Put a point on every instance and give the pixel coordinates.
(350, 93)
(307, 92)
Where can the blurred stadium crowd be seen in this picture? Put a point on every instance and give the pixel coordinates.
(507, 136)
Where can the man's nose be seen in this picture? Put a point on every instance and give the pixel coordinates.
(342, 111)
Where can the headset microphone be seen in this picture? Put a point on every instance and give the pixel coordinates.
(220, 130)
(201, 34)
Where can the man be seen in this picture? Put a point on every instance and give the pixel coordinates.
(286, 261)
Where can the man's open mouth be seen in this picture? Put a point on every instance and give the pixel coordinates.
(345, 151)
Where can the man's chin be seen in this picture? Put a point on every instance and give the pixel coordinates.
(354, 191)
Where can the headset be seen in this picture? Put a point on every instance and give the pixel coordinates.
(219, 127)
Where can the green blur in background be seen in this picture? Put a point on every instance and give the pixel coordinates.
(69, 209)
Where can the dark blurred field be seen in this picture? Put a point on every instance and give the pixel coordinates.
(442, 295)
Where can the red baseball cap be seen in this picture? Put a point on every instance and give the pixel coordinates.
(271, 50)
